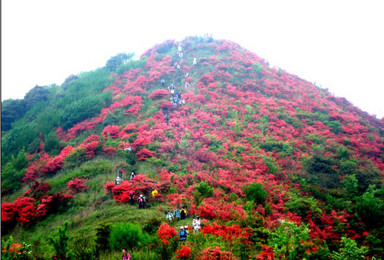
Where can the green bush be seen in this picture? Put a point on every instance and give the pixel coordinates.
(103, 230)
(152, 225)
(256, 193)
(320, 172)
(370, 207)
(302, 205)
(125, 235)
(80, 110)
(288, 241)
(204, 189)
(349, 250)
(84, 248)
(10, 178)
(75, 158)
(60, 242)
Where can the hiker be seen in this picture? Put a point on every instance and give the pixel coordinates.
(132, 176)
(166, 117)
(186, 85)
(196, 223)
(162, 82)
(125, 255)
(183, 214)
(169, 216)
(141, 201)
(129, 149)
(182, 234)
(177, 214)
(131, 199)
(179, 49)
(118, 180)
(121, 173)
(186, 211)
(194, 61)
(154, 192)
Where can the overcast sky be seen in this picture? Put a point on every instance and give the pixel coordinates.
(337, 44)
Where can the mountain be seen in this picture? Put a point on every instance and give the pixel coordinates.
(275, 167)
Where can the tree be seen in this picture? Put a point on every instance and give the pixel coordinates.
(36, 95)
(116, 61)
(11, 111)
(60, 242)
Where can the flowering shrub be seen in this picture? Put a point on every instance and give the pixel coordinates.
(76, 185)
(112, 131)
(166, 233)
(184, 252)
(11, 250)
(159, 93)
(144, 154)
(215, 253)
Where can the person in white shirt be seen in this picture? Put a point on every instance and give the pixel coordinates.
(196, 223)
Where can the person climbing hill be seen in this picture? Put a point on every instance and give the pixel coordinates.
(182, 234)
(125, 255)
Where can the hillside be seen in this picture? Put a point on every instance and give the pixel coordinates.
(276, 167)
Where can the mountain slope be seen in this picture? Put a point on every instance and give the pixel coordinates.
(253, 150)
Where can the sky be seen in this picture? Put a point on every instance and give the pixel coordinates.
(336, 44)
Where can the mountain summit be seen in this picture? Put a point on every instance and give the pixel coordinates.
(274, 166)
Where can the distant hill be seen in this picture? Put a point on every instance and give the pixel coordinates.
(276, 167)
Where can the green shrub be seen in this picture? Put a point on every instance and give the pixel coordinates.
(125, 235)
(349, 250)
(10, 178)
(302, 205)
(288, 240)
(370, 207)
(152, 225)
(84, 248)
(204, 189)
(320, 172)
(75, 158)
(103, 230)
(60, 242)
(255, 192)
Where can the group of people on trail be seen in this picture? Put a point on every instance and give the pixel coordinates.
(196, 224)
(141, 201)
(119, 178)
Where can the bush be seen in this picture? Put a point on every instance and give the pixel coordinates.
(349, 250)
(125, 235)
(205, 190)
(152, 225)
(103, 230)
(84, 248)
(60, 242)
(371, 208)
(255, 192)
(321, 172)
(290, 241)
